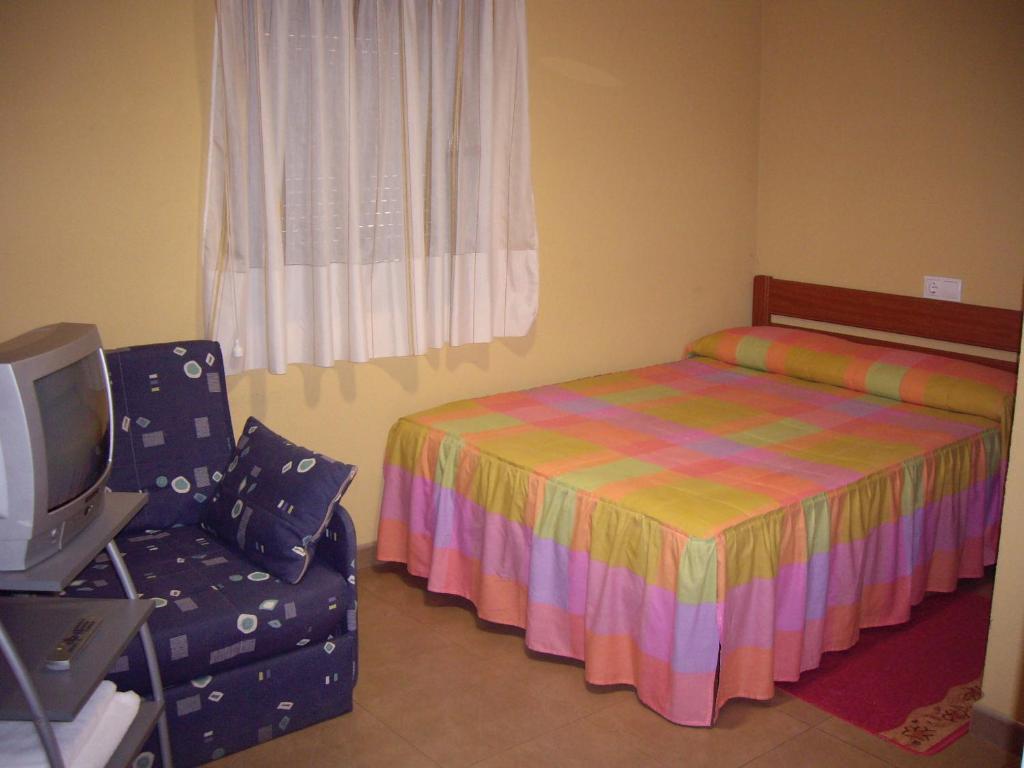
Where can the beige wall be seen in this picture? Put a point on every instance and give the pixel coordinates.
(644, 119)
(103, 117)
(891, 147)
(890, 144)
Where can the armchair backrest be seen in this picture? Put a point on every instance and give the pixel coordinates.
(172, 428)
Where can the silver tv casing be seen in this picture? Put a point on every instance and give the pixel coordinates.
(29, 531)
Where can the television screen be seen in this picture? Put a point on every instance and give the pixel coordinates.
(73, 409)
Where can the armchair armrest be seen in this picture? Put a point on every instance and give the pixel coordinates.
(337, 547)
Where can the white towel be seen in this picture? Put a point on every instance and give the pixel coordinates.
(20, 746)
(108, 733)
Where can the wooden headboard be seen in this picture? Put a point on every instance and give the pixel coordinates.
(971, 324)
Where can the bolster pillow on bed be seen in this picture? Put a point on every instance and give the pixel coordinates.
(900, 374)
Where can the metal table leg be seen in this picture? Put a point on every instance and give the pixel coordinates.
(150, 651)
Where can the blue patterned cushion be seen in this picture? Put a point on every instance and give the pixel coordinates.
(275, 501)
(172, 428)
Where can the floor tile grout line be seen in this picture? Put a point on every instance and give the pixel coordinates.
(851, 744)
(490, 754)
(798, 734)
(397, 735)
(530, 740)
(541, 734)
(413, 745)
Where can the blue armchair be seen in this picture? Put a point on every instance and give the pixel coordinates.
(244, 656)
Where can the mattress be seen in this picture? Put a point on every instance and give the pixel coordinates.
(703, 528)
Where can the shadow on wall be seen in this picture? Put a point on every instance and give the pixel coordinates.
(580, 72)
(203, 14)
(407, 372)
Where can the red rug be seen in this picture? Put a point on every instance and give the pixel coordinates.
(912, 684)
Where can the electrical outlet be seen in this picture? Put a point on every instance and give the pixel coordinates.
(945, 288)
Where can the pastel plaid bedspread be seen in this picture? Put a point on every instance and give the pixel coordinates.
(696, 529)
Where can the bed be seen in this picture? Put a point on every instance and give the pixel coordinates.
(704, 528)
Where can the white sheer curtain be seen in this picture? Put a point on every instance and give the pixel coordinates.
(368, 190)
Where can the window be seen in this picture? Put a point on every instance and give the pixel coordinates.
(368, 190)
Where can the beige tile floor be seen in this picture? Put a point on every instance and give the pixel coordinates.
(438, 687)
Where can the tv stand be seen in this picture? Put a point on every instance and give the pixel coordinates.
(31, 625)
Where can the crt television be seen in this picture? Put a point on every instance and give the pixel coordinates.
(56, 440)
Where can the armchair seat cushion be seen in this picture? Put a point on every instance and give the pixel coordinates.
(216, 611)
